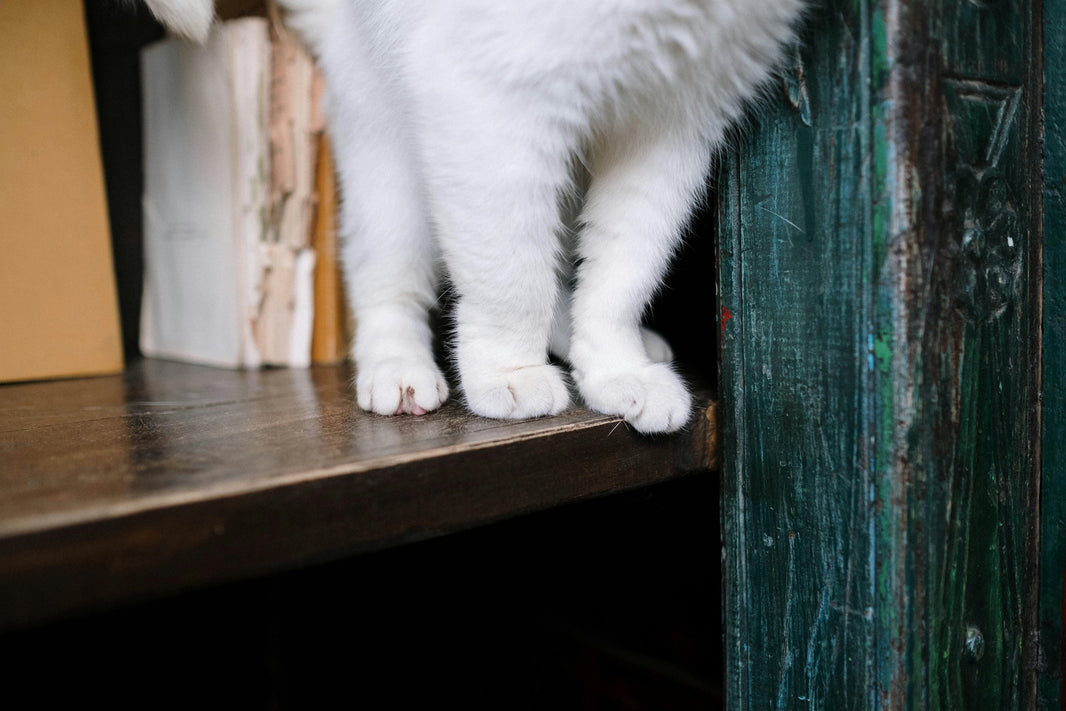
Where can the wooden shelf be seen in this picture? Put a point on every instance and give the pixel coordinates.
(174, 476)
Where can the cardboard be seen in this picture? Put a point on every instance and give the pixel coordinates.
(58, 303)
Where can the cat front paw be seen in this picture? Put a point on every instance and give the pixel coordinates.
(395, 386)
(652, 398)
(517, 393)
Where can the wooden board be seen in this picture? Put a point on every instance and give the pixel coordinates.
(880, 266)
(1053, 440)
(174, 476)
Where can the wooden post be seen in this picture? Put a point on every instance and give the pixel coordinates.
(880, 256)
(1053, 442)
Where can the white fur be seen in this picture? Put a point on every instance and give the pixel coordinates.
(458, 128)
(189, 18)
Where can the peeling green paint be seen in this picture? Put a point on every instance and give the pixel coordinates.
(877, 404)
(1053, 459)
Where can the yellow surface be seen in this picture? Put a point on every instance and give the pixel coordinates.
(58, 305)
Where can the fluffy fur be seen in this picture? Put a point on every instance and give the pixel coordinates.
(461, 127)
(191, 18)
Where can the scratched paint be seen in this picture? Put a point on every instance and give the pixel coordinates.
(1053, 479)
(884, 442)
(792, 214)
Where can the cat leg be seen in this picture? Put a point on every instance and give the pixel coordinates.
(657, 348)
(644, 185)
(389, 265)
(387, 252)
(496, 197)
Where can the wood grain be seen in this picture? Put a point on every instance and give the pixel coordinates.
(1053, 438)
(880, 262)
(173, 476)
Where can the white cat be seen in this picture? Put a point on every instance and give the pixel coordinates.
(460, 129)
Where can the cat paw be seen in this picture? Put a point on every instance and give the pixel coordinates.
(652, 398)
(657, 348)
(395, 386)
(517, 393)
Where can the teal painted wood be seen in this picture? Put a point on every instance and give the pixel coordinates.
(879, 262)
(1053, 485)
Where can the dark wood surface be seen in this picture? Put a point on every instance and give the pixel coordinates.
(611, 603)
(880, 283)
(174, 476)
(1053, 440)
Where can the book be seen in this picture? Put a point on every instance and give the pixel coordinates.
(58, 301)
(332, 328)
(286, 310)
(229, 197)
(205, 194)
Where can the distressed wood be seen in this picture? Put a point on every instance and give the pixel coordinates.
(880, 263)
(174, 476)
(1053, 441)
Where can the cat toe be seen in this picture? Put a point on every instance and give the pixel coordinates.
(652, 398)
(396, 387)
(517, 393)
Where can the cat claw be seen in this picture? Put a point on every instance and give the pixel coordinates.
(408, 403)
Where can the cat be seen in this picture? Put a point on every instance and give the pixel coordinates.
(462, 128)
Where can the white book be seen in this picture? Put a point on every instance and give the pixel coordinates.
(206, 202)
